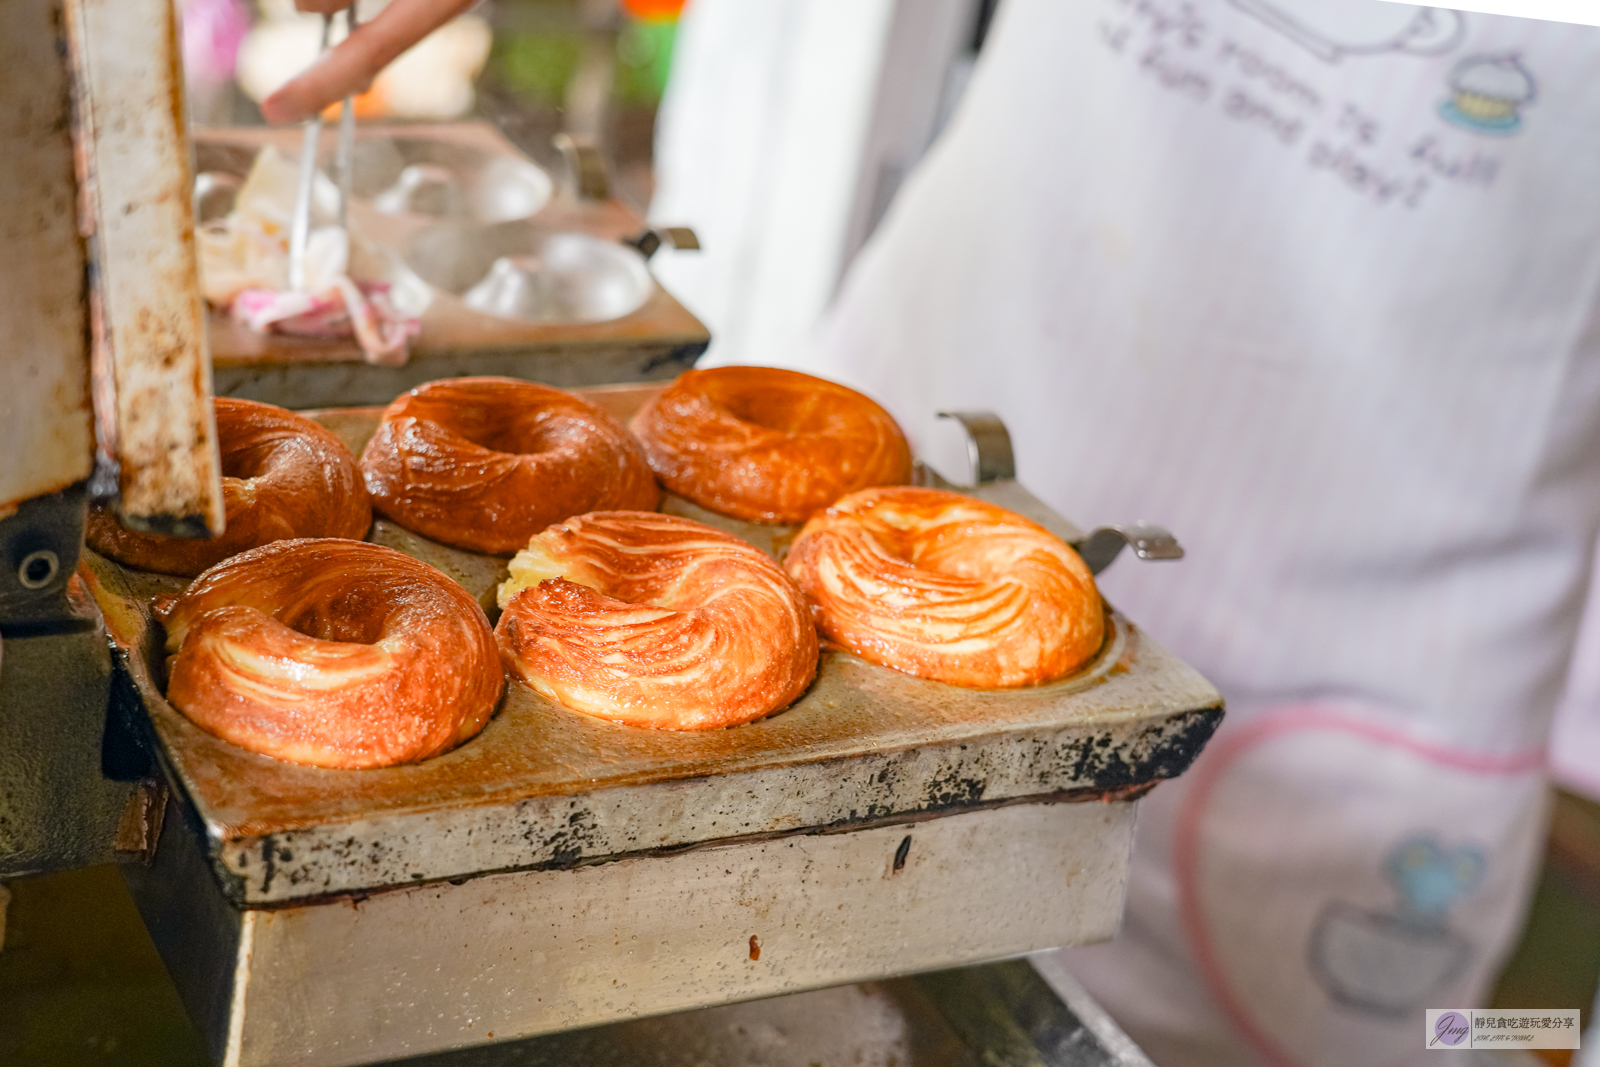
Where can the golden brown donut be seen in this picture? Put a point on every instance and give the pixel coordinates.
(946, 587)
(282, 476)
(333, 653)
(768, 445)
(657, 621)
(486, 463)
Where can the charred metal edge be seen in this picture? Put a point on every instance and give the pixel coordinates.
(1179, 739)
(1115, 784)
(229, 880)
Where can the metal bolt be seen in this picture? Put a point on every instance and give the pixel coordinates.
(38, 569)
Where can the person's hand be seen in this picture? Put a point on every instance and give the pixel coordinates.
(351, 66)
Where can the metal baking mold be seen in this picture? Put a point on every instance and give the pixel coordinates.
(543, 787)
(540, 877)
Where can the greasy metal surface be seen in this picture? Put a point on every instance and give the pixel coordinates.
(135, 170)
(544, 787)
(46, 427)
(902, 1022)
(57, 810)
(656, 341)
(431, 967)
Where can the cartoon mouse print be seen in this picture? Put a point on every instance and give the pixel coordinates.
(1390, 963)
(1332, 31)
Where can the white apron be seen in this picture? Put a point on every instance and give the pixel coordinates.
(1310, 282)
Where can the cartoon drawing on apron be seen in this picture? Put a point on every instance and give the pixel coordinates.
(1333, 31)
(1393, 962)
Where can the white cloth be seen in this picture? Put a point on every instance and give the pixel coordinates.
(760, 143)
(1312, 284)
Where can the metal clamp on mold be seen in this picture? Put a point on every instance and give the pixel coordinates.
(992, 460)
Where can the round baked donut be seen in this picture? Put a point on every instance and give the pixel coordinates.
(333, 653)
(946, 587)
(486, 463)
(282, 476)
(657, 621)
(768, 445)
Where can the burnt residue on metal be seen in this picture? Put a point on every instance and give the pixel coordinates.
(952, 790)
(567, 844)
(1163, 750)
(234, 886)
(125, 746)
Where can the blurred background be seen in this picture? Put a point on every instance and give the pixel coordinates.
(532, 67)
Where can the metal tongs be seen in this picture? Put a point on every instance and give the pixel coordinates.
(344, 159)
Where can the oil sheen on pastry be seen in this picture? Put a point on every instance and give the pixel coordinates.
(768, 445)
(485, 463)
(656, 621)
(943, 586)
(333, 653)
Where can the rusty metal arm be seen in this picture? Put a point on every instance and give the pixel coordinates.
(151, 364)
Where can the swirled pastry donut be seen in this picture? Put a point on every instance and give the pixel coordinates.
(946, 587)
(282, 476)
(768, 445)
(333, 653)
(486, 463)
(653, 620)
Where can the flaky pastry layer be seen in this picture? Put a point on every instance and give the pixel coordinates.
(656, 621)
(943, 586)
